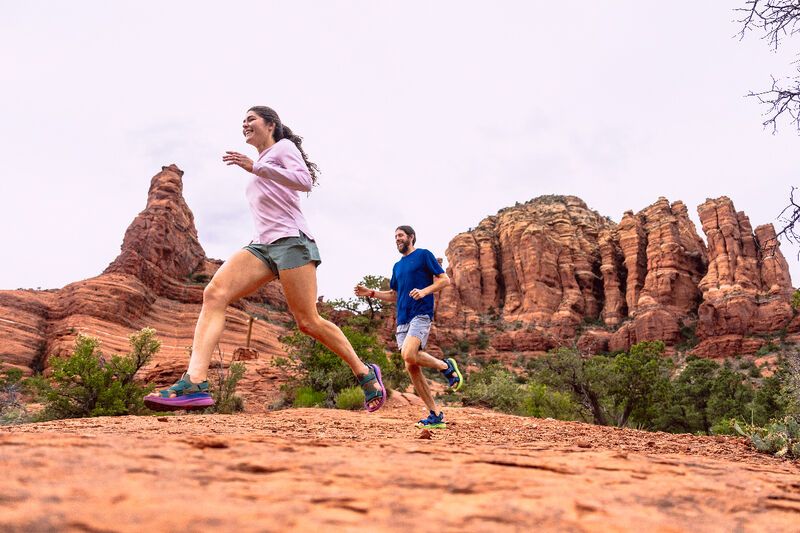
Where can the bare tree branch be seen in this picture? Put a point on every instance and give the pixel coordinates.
(776, 19)
(788, 218)
(780, 101)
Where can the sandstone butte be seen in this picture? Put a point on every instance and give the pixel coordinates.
(551, 272)
(542, 274)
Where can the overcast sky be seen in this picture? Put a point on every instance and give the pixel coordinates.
(433, 114)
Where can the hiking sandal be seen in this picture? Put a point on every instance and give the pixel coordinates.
(452, 374)
(370, 392)
(187, 395)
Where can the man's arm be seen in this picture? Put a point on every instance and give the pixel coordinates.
(386, 296)
(440, 281)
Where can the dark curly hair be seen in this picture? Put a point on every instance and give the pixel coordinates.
(408, 230)
(282, 131)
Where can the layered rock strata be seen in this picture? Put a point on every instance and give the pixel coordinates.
(552, 272)
(156, 281)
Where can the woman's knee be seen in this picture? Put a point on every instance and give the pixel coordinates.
(215, 295)
(309, 324)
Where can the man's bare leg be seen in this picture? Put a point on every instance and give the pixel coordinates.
(410, 352)
(428, 361)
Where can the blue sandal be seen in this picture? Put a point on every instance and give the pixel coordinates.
(452, 374)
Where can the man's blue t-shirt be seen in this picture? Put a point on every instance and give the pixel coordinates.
(414, 271)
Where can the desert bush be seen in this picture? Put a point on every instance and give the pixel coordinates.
(223, 384)
(483, 340)
(12, 409)
(351, 398)
(780, 438)
(588, 380)
(795, 302)
(87, 384)
(540, 401)
(308, 397)
(767, 349)
(311, 364)
(642, 381)
(494, 387)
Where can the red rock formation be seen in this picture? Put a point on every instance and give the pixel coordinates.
(156, 281)
(747, 289)
(537, 263)
(665, 259)
(552, 272)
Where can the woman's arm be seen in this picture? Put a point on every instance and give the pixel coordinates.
(293, 174)
(292, 171)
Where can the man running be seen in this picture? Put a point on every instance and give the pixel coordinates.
(414, 280)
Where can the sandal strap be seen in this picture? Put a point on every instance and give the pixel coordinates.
(366, 379)
(184, 386)
(370, 393)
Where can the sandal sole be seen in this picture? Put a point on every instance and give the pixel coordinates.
(188, 402)
(458, 373)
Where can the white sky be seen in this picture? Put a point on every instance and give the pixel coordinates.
(433, 114)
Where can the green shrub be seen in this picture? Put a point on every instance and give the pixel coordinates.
(767, 349)
(223, 387)
(493, 387)
(351, 398)
(795, 302)
(12, 410)
(483, 340)
(463, 345)
(86, 384)
(308, 397)
(725, 426)
(689, 338)
(311, 364)
(540, 401)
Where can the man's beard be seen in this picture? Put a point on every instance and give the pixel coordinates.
(402, 247)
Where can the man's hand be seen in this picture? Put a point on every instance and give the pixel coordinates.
(235, 158)
(360, 290)
(418, 294)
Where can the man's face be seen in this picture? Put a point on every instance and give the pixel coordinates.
(402, 240)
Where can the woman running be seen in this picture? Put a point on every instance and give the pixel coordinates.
(283, 248)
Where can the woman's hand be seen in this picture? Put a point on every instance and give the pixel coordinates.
(235, 158)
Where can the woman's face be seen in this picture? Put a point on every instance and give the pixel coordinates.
(256, 131)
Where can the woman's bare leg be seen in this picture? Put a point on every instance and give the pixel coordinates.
(239, 276)
(300, 288)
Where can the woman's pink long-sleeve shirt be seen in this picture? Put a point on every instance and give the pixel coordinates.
(279, 175)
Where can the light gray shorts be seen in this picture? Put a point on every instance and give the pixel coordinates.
(286, 253)
(419, 327)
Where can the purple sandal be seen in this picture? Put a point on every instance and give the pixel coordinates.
(188, 395)
(370, 392)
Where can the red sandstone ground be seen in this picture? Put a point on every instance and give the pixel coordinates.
(327, 470)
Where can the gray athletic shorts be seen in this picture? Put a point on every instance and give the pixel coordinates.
(419, 327)
(286, 253)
